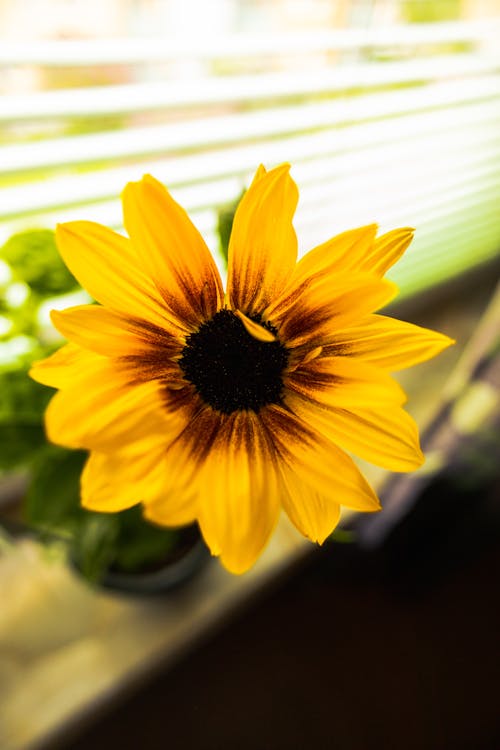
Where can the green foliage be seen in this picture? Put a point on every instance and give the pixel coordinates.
(342, 536)
(52, 506)
(22, 404)
(139, 544)
(430, 11)
(96, 541)
(18, 441)
(225, 218)
(34, 259)
(52, 501)
(20, 397)
(93, 544)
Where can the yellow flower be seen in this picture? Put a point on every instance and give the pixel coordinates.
(224, 408)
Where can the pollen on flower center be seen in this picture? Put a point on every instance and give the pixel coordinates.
(230, 369)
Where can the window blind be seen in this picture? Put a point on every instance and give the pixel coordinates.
(398, 126)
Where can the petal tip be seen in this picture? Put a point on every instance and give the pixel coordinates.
(131, 189)
(392, 288)
(235, 567)
(412, 464)
(34, 374)
(282, 168)
(374, 507)
(64, 229)
(148, 179)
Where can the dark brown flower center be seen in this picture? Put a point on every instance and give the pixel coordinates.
(230, 369)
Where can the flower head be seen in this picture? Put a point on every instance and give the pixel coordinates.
(226, 407)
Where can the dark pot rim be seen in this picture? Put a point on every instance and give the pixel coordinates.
(169, 577)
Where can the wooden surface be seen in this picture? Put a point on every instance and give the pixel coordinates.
(65, 647)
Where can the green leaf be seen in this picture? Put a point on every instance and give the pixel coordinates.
(140, 544)
(123, 541)
(19, 443)
(21, 398)
(34, 259)
(225, 218)
(22, 404)
(53, 498)
(342, 536)
(94, 544)
(53, 507)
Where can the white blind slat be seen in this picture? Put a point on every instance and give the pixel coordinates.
(167, 95)
(63, 53)
(413, 139)
(227, 129)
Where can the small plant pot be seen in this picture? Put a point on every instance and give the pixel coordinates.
(183, 562)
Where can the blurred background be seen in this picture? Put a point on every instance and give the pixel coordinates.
(388, 111)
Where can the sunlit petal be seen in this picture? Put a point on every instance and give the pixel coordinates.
(172, 251)
(263, 244)
(389, 343)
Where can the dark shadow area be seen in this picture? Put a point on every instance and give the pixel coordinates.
(394, 647)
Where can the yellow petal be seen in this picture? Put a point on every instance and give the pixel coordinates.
(106, 266)
(388, 249)
(111, 482)
(389, 343)
(254, 329)
(309, 356)
(386, 437)
(356, 250)
(345, 382)
(177, 506)
(344, 252)
(314, 515)
(111, 334)
(320, 464)
(99, 412)
(261, 172)
(263, 244)
(62, 368)
(172, 251)
(101, 490)
(187, 453)
(239, 502)
(313, 311)
(179, 500)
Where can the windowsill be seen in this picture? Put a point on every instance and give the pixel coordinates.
(67, 651)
